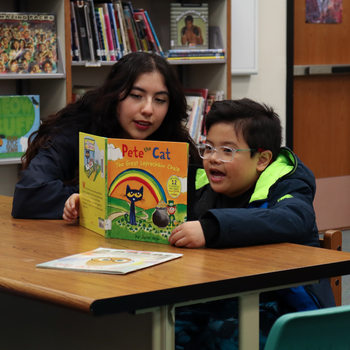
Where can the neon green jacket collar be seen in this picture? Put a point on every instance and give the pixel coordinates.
(284, 165)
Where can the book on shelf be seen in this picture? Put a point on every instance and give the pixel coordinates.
(154, 34)
(141, 42)
(92, 27)
(118, 7)
(189, 26)
(110, 261)
(130, 28)
(114, 31)
(141, 17)
(101, 35)
(210, 53)
(197, 102)
(119, 32)
(132, 189)
(74, 35)
(29, 43)
(216, 57)
(19, 118)
(107, 30)
(203, 51)
(83, 35)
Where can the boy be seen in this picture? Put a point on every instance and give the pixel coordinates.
(252, 192)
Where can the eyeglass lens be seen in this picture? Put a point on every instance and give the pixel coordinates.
(224, 153)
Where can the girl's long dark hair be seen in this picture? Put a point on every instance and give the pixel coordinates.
(95, 111)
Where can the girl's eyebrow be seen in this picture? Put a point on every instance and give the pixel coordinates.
(143, 90)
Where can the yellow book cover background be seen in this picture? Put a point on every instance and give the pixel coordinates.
(147, 188)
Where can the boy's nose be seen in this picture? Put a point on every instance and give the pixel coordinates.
(215, 157)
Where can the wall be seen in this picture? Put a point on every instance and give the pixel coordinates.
(269, 85)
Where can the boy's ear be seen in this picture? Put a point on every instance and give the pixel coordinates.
(264, 160)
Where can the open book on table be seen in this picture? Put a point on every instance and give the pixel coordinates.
(111, 261)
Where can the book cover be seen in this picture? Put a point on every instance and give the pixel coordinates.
(189, 26)
(110, 261)
(19, 118)
(29, 43)
(132, 189)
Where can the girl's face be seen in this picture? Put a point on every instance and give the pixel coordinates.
(142, 112)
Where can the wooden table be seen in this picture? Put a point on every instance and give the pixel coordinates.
(201, 274)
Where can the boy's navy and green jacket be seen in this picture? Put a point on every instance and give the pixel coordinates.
(280, 209)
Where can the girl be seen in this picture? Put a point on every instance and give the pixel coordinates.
(140, 99)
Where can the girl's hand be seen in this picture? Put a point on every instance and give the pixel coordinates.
(71, 208)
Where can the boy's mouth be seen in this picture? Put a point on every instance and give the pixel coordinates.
(216, 175)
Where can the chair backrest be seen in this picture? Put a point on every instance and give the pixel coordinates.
(332, 239)
(326, 329)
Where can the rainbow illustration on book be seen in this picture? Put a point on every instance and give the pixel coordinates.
(144, 178)
(138, 203)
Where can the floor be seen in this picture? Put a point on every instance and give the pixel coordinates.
(346, 279)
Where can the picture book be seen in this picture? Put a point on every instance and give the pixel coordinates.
(19, 118)
(132, 189)
(189, 26)
(28, 43)
(110, 261)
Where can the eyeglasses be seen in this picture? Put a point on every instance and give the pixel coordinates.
(224, 153)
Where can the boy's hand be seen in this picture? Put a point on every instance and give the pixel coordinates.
(189, 234)
(71, 208)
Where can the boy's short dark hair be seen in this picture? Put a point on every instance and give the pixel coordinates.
(258, 123)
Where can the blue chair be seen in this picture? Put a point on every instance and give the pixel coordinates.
(323, 329)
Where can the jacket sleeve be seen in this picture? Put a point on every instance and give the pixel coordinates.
(41, 193)
(290, 217)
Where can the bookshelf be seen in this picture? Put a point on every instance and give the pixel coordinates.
(209, 74)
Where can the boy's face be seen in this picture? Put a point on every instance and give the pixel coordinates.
(237, 176)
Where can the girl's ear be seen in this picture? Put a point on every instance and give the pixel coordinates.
(265, 158)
